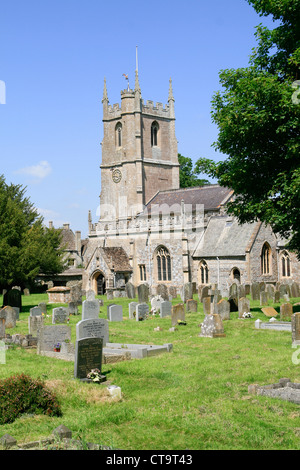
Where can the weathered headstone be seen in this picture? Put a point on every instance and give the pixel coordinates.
(212, 326)
(142, 310)
(172, 292)
(26, 291)
(14, 298)
(90, 295)
(109, 294)
(49, 335)
(73, 308)
(88, 356)
(130, 290)
(35, 323)
(243, 306)
(43, 307)
(9, 314)
(132, 309)
(206, 305)
(269, 312)
(156, 302)
(93, 328)
(241, 291)
(177, 314)
(162, 290)
(2, 326)
(264, 298)
(76, 293)
(191, 305)
(295, 322)
(59, 315)
(165, 309)
(143, 293)
(204, 292)
(90, 309)
(115, 313)
(187, 291)
(255, 291)
(35, 311)
(223, 309)
(277, 296)
(286, 311)
(295, 291)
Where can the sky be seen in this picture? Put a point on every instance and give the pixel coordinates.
(54, 56)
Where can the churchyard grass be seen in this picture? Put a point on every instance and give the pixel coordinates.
(195, 397)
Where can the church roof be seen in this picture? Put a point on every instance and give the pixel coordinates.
(224, 236)
(211, 196)
(116, 259)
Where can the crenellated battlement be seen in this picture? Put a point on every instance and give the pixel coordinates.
(156, 109)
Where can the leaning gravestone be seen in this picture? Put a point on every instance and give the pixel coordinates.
(49, 335)
(59, 315)
(115, 313)
(165, 309)
(143, 293)
(177, 314)
(142, 310)
(130, 290)
(90, 309)
(93, 328)
(88, 356)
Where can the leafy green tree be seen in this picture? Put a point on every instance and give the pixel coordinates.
(257, 114)
(27, 248)
(187, 175)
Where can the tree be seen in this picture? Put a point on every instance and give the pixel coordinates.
(187, 175)
(27, 248)
(258, 119)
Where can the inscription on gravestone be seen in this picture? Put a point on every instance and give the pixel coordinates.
(93, 328)
(88, 356)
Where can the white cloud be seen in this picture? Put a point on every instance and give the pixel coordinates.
(51, 216)
(39, 171)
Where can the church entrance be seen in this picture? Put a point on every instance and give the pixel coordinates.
(98, 283)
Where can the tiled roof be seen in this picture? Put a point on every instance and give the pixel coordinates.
(116, 259)
(211, 196)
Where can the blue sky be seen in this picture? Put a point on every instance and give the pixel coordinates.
(54, 57)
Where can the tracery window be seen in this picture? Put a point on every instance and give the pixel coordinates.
(285, 265)
(163, 263)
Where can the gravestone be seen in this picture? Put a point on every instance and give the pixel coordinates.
(177, 314)
(90, 309)
(286, 311)
(269, 312)
(35, 323)
(73, 308)
(90, 295)
(247, 289)
(187, 291)
(241, 291)
(9, 314)
(35, 311)
(130, 290)
(255, 291)
(234, 304)
(243, 306)
(26, 291)
(115, 313)
(109, 294)
(204, 292)
(172, 292)
(277, 297)
(191, 305)
(156, 302)
(295, 322)
(59, 315)
(14, 298)
(143, 293)
(2, 326)
(93, 328)
(295, 291)
(212, 326)
(223, 309)
(43, 307)
(284, 289)
(263, 298)
(165, 309)
(49, 335)
(17, 310)
(142, 310)
(88, 356)
(76, 293)
(215, 297)
(132, 309)
(162, 291)
(206, 305)
(233, 290)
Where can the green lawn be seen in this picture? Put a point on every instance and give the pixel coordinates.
(195, 397)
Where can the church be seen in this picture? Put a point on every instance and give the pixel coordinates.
(152, 231)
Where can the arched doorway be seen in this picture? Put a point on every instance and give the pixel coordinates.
(99, 283)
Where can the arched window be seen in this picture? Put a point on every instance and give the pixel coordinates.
(203, 272)
(236, 274)
(163, 264)
(266, 259)
(154, 134)
(119, 135)
(285, 264)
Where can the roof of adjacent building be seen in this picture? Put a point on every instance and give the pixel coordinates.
(212, 197)
(224, 236)
(116, 259)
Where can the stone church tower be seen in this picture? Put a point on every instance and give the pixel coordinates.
(139, 152)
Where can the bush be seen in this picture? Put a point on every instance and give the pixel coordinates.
(22, 394)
